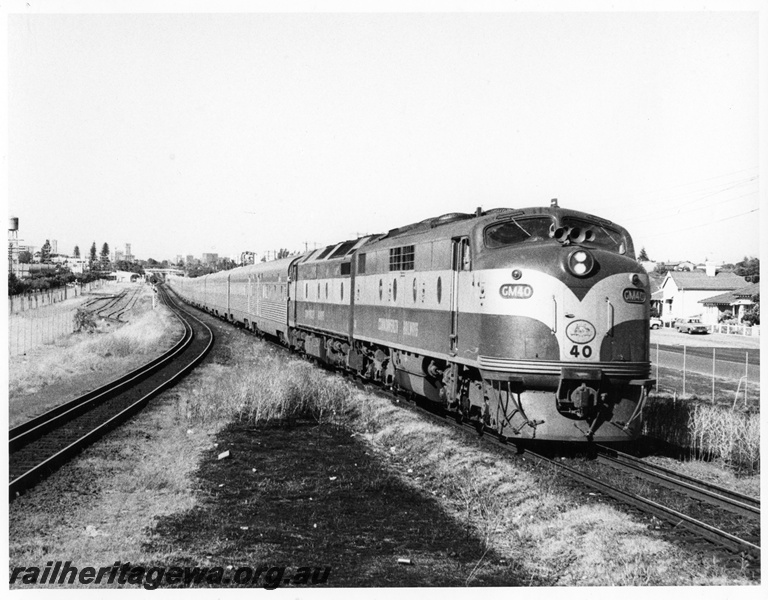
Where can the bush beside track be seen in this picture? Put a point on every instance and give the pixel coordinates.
(307, 449)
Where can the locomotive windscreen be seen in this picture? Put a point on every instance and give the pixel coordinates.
(518, 231)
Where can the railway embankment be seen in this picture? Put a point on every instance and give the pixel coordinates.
(50, 374)
(260, 459)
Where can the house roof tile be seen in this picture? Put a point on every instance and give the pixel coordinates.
(731, 297)
(693, 280)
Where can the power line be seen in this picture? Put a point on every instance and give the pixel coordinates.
(677, 230)
(656, 216)
(692, 182)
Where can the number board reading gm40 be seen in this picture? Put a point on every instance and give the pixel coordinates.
(634, 296)
(516, 291)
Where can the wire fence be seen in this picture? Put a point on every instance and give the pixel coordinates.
(44, 325)
(33, 301)
(719, 375)
(43, 317)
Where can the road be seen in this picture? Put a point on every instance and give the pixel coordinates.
(734, 356)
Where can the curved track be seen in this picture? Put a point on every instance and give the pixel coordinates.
(40, 445)
(744, 506)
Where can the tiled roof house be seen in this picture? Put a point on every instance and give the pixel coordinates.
(683, 291)
(736, 302)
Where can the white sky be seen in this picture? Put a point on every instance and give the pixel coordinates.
(211, 132)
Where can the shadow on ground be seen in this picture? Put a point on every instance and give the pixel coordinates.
(308, 495)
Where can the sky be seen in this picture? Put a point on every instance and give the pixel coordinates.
(222, 130)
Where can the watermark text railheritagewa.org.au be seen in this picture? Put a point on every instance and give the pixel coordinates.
(150, 578)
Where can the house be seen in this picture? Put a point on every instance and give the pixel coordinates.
(736, 303)
(684, 265)
(683, 291)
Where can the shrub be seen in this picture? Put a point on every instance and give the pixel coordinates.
(707, 431)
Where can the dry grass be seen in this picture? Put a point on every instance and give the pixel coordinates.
(271, 388)
(83, 353)
(523, 516)
(711, 431)
(80, 362)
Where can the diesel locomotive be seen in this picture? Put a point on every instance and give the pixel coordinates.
(533, 323)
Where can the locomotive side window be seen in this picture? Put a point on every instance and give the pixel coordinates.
(517, 231)
(361, 263)
(401, 259)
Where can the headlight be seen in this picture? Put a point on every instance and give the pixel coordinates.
(580, 263)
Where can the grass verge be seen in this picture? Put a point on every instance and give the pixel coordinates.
(707, 431)
(322, 473)
(80, 362)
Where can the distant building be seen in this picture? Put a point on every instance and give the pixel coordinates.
(736, 303)
(189, 260)
(119, 255)
(210, 258)
(128, 256)
(683, 291)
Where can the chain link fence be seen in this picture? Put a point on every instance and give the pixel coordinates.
(719, 375)
(43, 317)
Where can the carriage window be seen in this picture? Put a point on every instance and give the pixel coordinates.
(517, 231)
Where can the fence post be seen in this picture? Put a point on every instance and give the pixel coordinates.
(657, 366)
(713, 375)
(684, 357)
(746, 378)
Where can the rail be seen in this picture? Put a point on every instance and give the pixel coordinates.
(44, 456)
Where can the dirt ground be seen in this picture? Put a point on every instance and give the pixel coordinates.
(400, 505)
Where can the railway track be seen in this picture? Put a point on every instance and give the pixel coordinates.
(714, 497)
(711, 498)
(702, 500)
(41, 445)
(113, 306)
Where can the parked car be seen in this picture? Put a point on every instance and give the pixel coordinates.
(691, 325)
(656, 323)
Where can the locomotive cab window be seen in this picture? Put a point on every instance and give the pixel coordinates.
(517, 231)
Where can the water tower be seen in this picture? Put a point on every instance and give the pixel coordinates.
(13, 245)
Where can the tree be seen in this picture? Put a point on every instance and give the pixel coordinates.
(45, 252)
(104, 257)
(752, 315)
(76, 252)
(14, 285)
(749, 268)
(25, 257)
(643, 257)
(92, 259)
